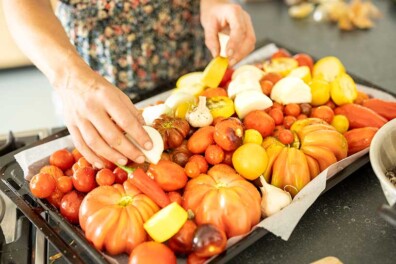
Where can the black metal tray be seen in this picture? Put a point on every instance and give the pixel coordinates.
(69, 239)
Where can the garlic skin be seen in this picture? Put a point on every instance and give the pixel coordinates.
(200, 116)
(273, 198)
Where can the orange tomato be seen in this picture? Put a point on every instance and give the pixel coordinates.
(105, 177)
(169, 175)
(52, 170)
(201, 139)
(228, 134)
(42, 185)
(62, 159)
(64, 184)
(260, 121)
(323, 112)
(288, 121)
(292, 110)
(152, 253)
(277, 115)
(214, 154)
(201, 161)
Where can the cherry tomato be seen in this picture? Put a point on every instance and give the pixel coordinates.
(182, 241)
(82, 163)
(304, 60)
(56, 197)
(273, 77)
(277, 115)
(64, 184)
(201, 161)
(323, 112)
(192, 169)
(52, 170)
(84, 179)
(105, 177)
(214, 154)
(288, 121)
(175, 197)
(286, 136)
(331, 104)
(281, 53)
(277, 130)
(76, 154)
(292, 110)
(194, 259)
(120, 175)
(62, 159)
(42, 185)
(208, 240)
(301, 116)
(151, 253)
(266, 86)
(70, 205)
(108, 164)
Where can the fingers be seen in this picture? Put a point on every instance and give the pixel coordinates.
(211, 37)
(128, 122)
(132, 109)
(116, 139)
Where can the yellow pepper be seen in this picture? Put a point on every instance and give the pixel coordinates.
(166, 223)
(343, 89)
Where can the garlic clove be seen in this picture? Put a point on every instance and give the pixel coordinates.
(200, 116)
(273, 198)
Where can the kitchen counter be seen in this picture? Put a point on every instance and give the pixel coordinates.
(343, 222)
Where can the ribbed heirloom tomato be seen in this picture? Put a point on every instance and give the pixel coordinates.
(112, 217)
(225, 199)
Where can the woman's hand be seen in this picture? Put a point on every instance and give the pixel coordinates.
(222, 16)
(96, 114)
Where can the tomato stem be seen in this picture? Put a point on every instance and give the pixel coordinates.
(125, 201)
(129, 170)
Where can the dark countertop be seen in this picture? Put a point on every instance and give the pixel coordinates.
(343, 222)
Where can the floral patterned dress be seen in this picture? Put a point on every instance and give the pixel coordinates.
(136, 44)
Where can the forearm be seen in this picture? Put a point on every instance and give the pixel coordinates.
(41, 37)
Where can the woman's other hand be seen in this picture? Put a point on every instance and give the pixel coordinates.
(222, 16)
(96, 114)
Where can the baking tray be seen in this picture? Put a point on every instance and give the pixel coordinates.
(69, 239)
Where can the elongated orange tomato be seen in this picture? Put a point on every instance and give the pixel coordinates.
(112, 217)
(225, 199)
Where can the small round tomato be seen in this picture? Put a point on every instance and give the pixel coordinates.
(228, 134)
(273, 77)
(52, 170)
(42, 185)
(292, 110)
(208, 240)
(286, 136)
(260, 121)
(340, 123)
(281, 53)
(169, 175)
(306, 109)
(228, 157)
(83, 162)
(301, 116)
(252, 136)
(64, 184)
(250, 160)
(277, 105)
(120, 175)
(304, 60)
(62, 159)
(105, 177)
(214, 154)
(182, 241)
(323, 112)
(76, 154)
(84, 179)
(192, 169)
(55, 198)
(175, 197)
(152, 252)
(288, 121)
(201, 161)
(277, 130)
(277, 115)
(70, 205)
(266, 86)
(108, 164)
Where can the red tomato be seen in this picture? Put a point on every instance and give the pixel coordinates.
(304, 60)
(70, 205)
(64, 184)
(273, 77)
(209, 240)
(194, 259)
(42, 185)
(55, 198)
(76, 154)
(152, 253)
(169, 175)
(323, 112)
(281, 53)
(214, 154)
(82, 163)
(201, 161)
(62, 159)
(105, 177)
(182, 241)
(266, 86)
(52, 170)
(288, 121)
(175, 197)
(84, 179)
(277, 115)
(192, 169)
(286, 136)
(120, 175)
(108, 164)
(292, 110)
(228, 158)
(226, 77)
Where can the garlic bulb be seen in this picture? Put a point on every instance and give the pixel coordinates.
(273, 198)
(200, 116)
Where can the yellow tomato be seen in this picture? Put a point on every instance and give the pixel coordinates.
(320, 90)
(250, 160)
(166, 223)
(214, 72)
(329, 67)
(340, 123)
(281, 65)
(252, 136)
(343, 90)
(220, 106)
